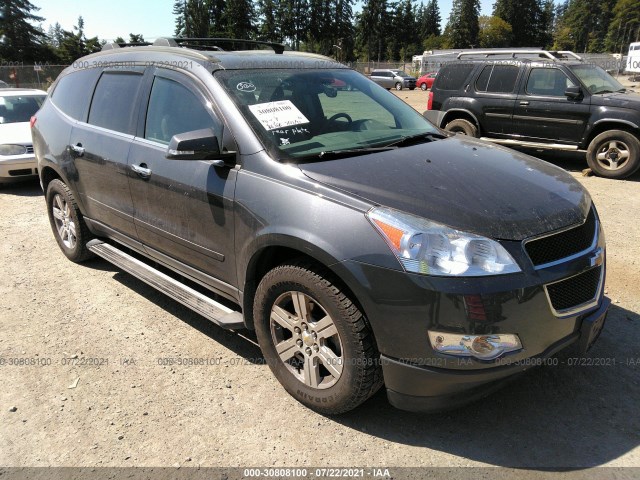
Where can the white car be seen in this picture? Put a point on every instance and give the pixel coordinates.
(17, 106)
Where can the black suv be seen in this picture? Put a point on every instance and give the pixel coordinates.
(555, 101)
(364, 246)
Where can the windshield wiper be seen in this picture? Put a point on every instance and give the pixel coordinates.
(419, 138)
(622, 90)
(602, 91)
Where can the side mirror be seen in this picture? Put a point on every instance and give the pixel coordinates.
(573, 93)
(197, 145)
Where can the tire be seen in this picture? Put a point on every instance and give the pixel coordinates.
(398, 86)
(333, 335)
(614, 154)
(69, 228)
(462, 126)
(423, 87)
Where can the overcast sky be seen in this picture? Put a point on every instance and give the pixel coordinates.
(151, 18)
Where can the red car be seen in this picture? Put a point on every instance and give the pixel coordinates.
(425, 81)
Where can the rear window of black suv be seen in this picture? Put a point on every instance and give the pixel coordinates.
(497, 79)
(73, 92)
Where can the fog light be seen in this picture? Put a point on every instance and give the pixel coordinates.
(484, 347)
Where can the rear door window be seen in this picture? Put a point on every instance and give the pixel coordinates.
(114, 101)
(497, 79)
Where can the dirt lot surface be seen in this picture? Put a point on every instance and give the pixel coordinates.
(100, 392)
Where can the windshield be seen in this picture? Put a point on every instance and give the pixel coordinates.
(307, 113)
(596, 79)
(19, 108)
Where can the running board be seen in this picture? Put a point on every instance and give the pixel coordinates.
(196, 301)
(543, 146)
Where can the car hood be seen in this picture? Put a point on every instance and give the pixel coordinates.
(18, 133)
(465, 183)
(627, 100)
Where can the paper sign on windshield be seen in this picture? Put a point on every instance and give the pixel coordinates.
(280, 114)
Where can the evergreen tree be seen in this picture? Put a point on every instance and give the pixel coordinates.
(294, 21)
(179, 10)
(624, 27)
(196, 19)
(463, 27)
(136, 38)
(371, 29)
(237, 18)
(22, 42)
(269, 27)
(75, 44)
(525, 18)
(432, 19)
(584, 25)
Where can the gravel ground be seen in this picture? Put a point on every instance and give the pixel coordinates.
(100, 395)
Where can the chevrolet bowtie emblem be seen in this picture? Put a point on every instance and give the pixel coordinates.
(597, 258)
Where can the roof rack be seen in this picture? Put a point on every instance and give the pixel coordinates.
(550, 54)
(112, 45)
(218, 44)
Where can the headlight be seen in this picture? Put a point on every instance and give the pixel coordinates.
(13, 149)
(427, 247)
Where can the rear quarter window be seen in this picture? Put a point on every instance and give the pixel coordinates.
(73, 92)
(497, 79)
(453, 77)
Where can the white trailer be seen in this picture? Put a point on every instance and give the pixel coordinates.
(633, 60)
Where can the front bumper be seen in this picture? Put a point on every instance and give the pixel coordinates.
(430, 389)
(18, 167)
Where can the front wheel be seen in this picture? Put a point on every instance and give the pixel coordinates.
(398, 86)
(316, 341)
(462, 126)
(67, 223)
(614, 154)
(423, 87)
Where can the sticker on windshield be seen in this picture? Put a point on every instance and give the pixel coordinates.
(280, 114)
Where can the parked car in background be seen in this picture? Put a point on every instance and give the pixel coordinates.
(426, 81)
(17, 106)
(363, 245)
(4, 84)
(391, 78)
(545, 100)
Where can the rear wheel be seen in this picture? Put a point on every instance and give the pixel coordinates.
(67, 223)
(463, 126)
(614, 154)
(315, 339)
(398, 86)
(423, 87)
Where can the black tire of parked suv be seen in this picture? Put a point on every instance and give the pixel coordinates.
(398, 86)
(343, 336)
(462, 126)
(606, 149)
(423, 87)
(66, 221)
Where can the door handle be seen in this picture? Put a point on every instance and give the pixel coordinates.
(77, 149)
(524, 103)
(142, 170)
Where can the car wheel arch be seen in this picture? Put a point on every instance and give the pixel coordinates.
(275, 253)
(456, 114)
(604, 125)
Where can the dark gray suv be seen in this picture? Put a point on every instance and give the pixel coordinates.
(363, 245)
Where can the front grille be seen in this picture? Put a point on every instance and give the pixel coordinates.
(564, 244)
(575, 291)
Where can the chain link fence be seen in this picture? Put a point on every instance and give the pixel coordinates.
(29, 76)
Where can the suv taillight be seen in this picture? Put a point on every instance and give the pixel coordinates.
(430, 101)
(32, 122)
